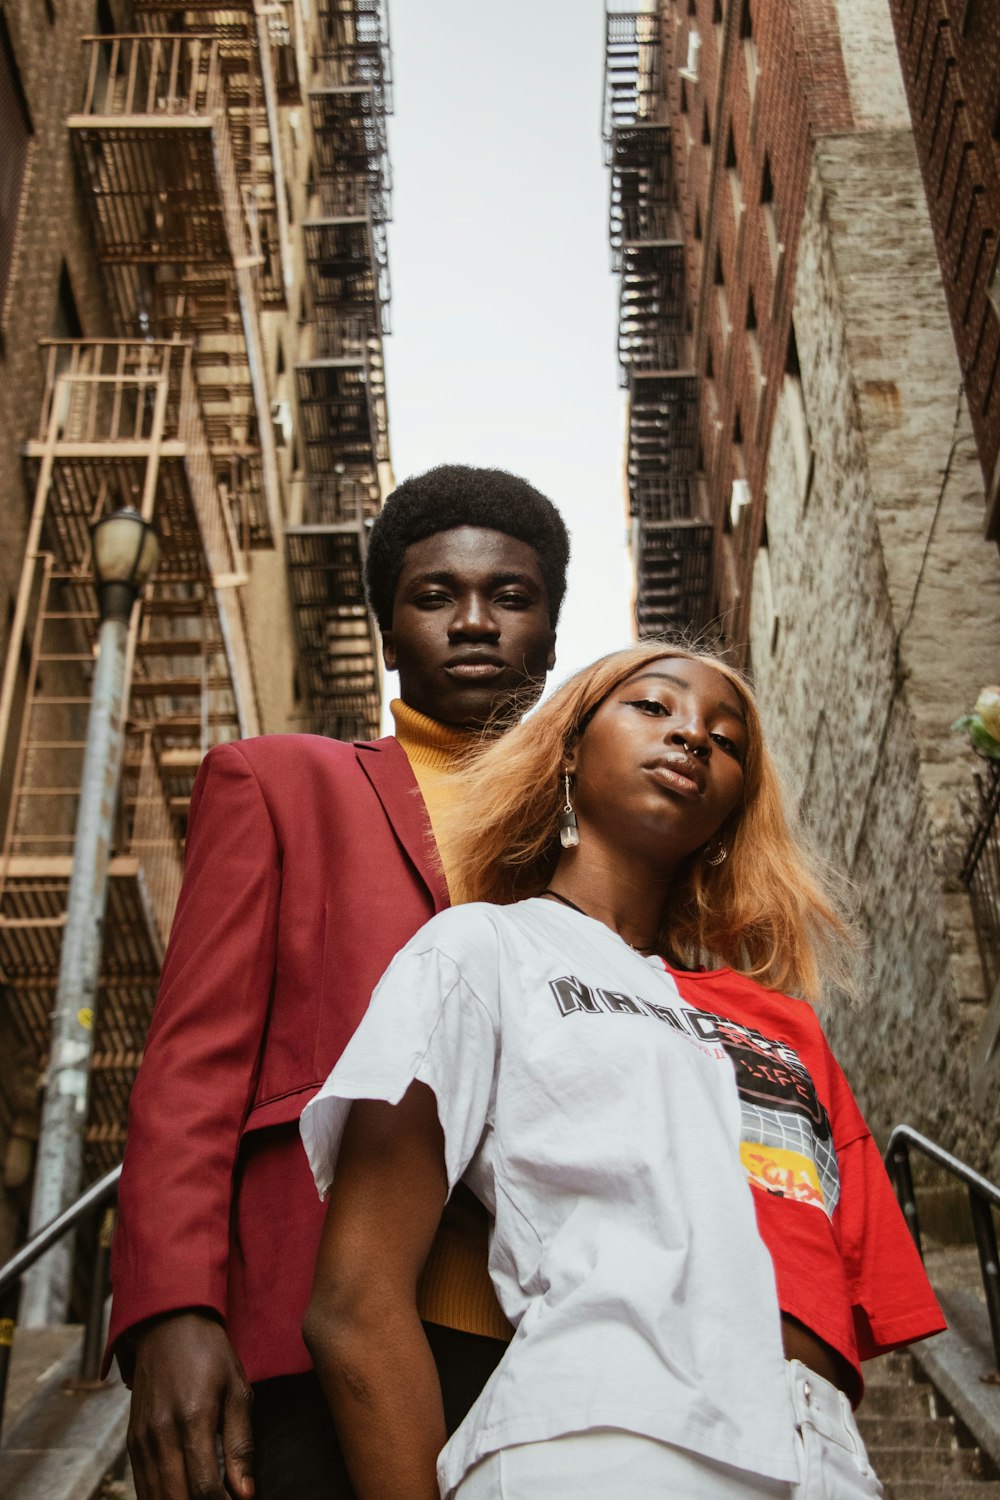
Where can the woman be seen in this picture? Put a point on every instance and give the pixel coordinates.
(565, 1053)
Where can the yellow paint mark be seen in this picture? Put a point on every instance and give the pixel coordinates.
(85, 1016)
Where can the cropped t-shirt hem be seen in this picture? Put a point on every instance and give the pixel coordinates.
(693, 1437)
(907, 1328)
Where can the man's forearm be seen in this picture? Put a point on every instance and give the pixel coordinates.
(380, 1380)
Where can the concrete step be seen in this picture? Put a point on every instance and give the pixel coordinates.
(941, 1489)
(962, 1365)
(62, 1438)
(906, 1432)
(899, 1398)
(37, 1359)
(926, 1463)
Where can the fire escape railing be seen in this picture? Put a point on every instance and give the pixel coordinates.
(120, 423)
(340, 387)
(174, 144)
(672, 545)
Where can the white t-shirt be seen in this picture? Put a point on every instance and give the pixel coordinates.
(603, 1134)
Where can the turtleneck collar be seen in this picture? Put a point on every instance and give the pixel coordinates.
(427, 742)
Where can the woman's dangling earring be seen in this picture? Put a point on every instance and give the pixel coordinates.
(569, 833)
(719, 857)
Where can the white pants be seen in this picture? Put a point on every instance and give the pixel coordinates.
(611, 1465)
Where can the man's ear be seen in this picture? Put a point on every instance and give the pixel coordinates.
(550, 660)
(388, 651)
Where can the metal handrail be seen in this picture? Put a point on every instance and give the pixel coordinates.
(100, 1194)
(984, 1196)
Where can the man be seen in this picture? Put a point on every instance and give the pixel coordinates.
(309, 863)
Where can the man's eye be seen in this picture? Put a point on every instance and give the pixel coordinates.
(430, 599)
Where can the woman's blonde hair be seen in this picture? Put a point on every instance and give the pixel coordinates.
(766, 911)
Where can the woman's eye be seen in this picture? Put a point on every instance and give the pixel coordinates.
(649, 705)
(729, 746)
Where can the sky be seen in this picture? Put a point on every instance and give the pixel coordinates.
(504, 308)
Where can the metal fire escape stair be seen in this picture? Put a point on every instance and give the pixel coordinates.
(340, 386)
(120, 423)
(672, 544)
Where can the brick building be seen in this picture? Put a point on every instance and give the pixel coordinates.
(193, 295)
(950, 56)
(811, 447)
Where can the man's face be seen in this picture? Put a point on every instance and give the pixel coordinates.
(470, 626)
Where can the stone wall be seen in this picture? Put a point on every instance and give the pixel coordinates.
(887, 603)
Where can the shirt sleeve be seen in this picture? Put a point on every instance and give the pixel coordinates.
(424, 1024)
(892, 1299)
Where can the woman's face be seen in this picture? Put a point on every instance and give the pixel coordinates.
(659, 767)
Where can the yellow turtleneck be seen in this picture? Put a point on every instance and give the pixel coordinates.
(455, 1289)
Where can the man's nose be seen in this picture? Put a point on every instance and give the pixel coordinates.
(474, 616)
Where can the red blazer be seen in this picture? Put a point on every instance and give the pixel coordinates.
(306, 870)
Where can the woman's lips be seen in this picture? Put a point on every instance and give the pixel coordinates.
(676, 780)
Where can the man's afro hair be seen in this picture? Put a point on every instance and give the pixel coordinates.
(458, 495)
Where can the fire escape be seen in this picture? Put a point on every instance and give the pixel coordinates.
(673, 547)
(179, 171)
(341, 385)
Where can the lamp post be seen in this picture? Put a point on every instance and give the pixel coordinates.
(125, 552)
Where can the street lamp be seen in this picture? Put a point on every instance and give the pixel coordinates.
(125, 553)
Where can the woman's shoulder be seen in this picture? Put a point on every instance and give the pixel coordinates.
(457, 928)
(728, 987)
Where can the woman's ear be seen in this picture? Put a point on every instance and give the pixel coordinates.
(569, 759)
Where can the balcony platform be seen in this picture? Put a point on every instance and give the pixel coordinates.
(663, 423)
(674, 576)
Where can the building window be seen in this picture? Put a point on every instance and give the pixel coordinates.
(721, 300)
(66, 320)
(733, 176)
(753, 341)
(15, 142)
(749, 49)
(775, 249)
(762, 605)
(794, 401)
(993, 285)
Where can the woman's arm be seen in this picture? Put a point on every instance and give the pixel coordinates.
(361, 1327)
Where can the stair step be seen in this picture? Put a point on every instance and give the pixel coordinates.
(898, 1399)
(937, 1489)
(64, 1437)
(906, 1432)
(924, 1463)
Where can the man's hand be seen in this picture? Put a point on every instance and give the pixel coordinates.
(189, 1387)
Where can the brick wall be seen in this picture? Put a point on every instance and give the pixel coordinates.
(770, 77)
(950, 56)
(856, 582)
(52, 230)
(887, 603)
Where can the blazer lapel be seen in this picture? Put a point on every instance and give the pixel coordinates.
(385, 764)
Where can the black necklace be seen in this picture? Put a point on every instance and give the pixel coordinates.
(548, 891)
